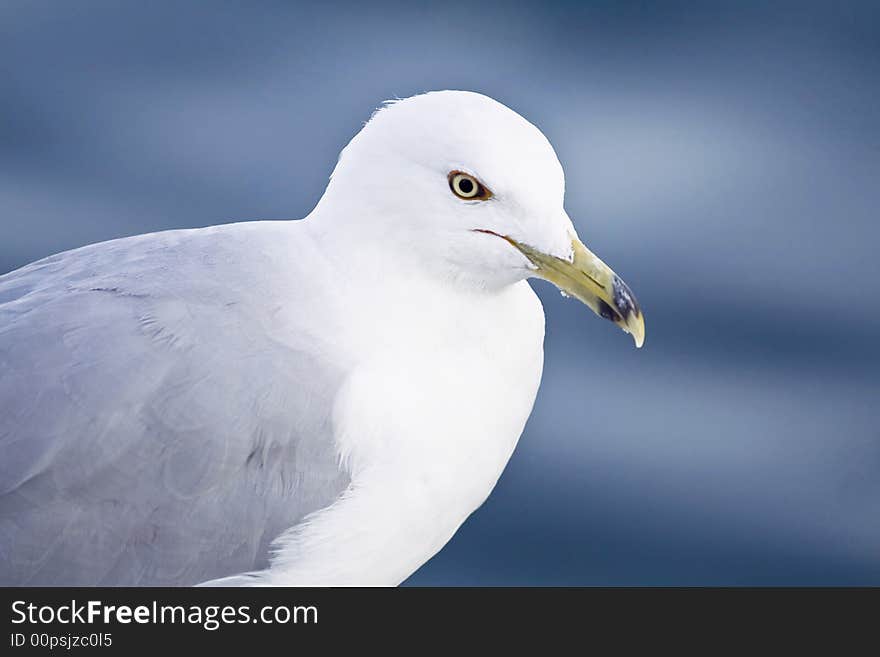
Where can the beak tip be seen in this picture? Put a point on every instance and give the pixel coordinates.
(635, 326)
(628, 310)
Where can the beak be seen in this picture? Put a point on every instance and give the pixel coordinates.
(590, 280)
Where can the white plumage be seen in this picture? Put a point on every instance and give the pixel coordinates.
(346, 388)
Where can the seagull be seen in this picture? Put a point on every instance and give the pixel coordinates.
(319, 402)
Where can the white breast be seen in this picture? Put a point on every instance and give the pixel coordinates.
(422, 463)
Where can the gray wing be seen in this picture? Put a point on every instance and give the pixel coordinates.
(154, 429)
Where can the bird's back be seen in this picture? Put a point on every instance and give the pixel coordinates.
(163, 408)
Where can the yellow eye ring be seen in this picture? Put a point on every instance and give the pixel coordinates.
(467, 188)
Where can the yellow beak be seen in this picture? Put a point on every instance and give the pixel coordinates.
(590, 280)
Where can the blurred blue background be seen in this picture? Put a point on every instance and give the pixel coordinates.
(723, 158)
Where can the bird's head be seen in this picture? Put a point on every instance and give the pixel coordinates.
(467, 185)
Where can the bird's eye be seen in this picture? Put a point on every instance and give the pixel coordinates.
(467, 188)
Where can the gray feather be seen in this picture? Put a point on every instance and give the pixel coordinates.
(161, 419)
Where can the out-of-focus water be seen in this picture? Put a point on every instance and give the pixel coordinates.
(723, 158)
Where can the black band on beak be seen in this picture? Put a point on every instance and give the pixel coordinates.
(625, 301)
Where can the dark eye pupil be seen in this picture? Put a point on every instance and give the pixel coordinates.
(465, 186)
